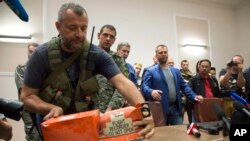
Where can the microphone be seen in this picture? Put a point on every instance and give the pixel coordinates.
(236, 97)
(221, 115)
(11, 108)
(211, 130)
(239, 118)
(18, 9)
(192, 129)
(240, 107)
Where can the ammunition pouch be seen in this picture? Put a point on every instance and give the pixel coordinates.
(81, 106)
(90, 86)
(49, 95)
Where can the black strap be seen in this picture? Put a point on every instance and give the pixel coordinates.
(35, 124)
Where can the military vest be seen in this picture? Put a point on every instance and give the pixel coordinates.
(59, 91)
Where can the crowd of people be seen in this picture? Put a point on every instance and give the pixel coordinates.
(157, 83)
(117, 83)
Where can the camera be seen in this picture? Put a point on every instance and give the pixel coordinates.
(231, 63)
(11, 108)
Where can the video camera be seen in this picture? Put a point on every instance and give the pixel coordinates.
(231, 63)
(11, 108)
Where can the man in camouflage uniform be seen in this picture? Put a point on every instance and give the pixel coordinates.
(186, 74)
(123, 49)
(29, 127)
(108, 98)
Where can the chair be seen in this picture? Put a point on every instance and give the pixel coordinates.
(203, 112)
(157, 113)
(227, 105)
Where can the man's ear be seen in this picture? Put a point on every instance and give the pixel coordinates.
(58, 25)
(98, 35)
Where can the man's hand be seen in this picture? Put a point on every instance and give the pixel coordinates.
(198, 98)
(156, 94)
(54, 112)
(108, 109)
(148, 123)
(240, 67)
(5, 129)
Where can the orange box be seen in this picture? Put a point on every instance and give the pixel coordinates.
(82, 126)
(117, 125)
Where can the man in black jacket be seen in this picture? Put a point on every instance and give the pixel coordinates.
(204, 84)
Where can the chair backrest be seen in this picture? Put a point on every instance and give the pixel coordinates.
(203, 112)
(157, 113)
(227, 105)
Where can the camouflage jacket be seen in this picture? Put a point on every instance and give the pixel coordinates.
(107, 95)
(19, 76)
(120, 61)
(186, 75)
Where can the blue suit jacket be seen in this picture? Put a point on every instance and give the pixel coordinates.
(154, 79)
(132, 75)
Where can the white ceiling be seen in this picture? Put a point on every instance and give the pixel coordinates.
(229, 3)
(233, 3)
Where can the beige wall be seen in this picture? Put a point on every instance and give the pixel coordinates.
(148, 23)
(12, 54)
(143, 23)
(15, 53)
(190, 30)
(243, 31)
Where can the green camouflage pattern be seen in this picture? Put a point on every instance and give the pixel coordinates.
(186, 75)
(29, 128)
(108, 96)
(19, 76)
(120, 61)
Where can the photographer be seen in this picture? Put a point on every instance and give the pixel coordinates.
(5, 128)
(231, 78)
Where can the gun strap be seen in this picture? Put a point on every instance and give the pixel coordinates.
(61, 68)
(35, 124)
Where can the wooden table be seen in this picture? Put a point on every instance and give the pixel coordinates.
(179, 133)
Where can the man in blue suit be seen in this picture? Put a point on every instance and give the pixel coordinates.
(163, 83)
